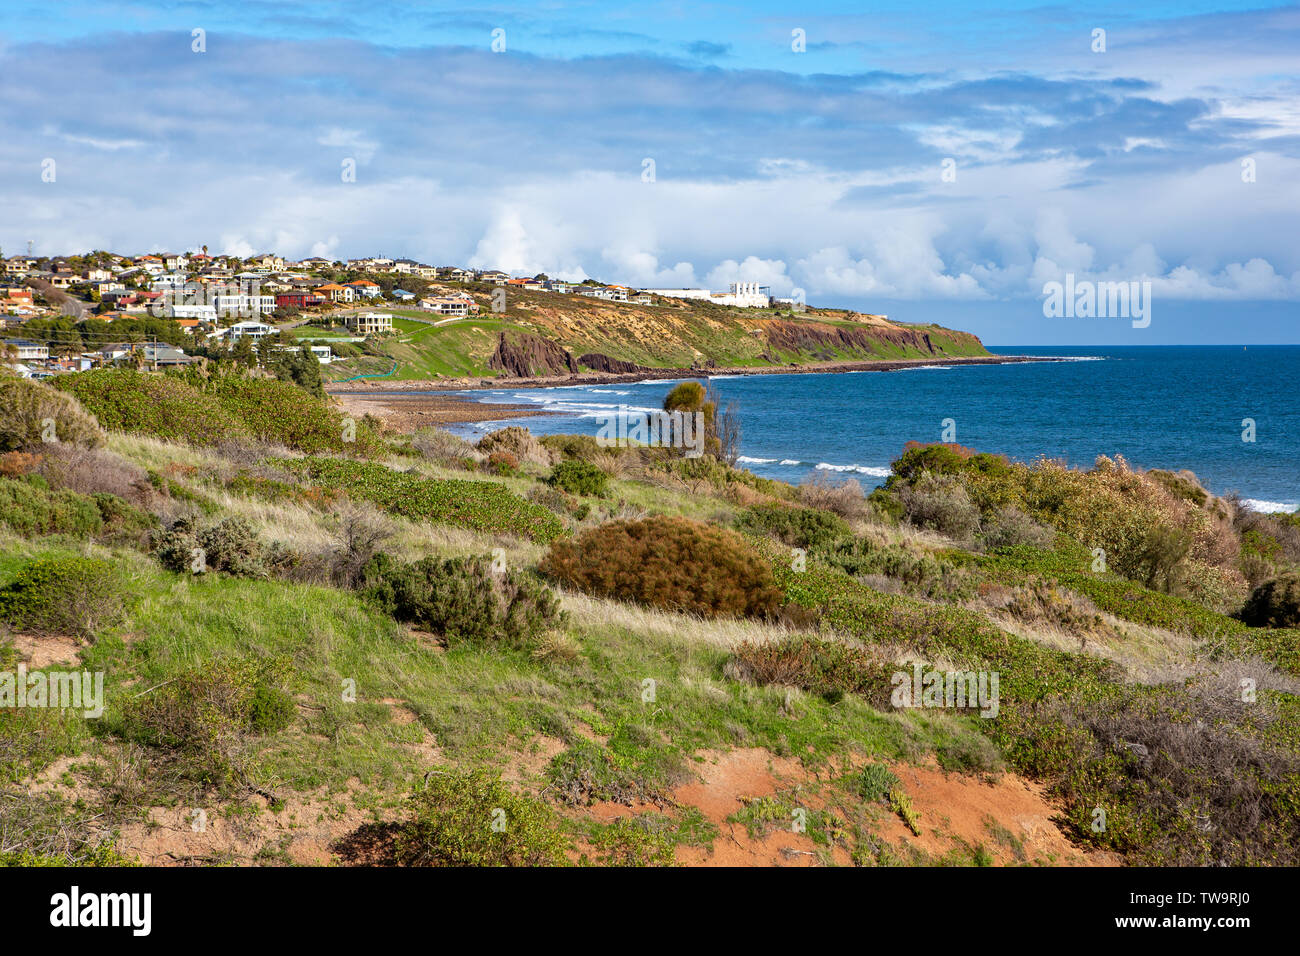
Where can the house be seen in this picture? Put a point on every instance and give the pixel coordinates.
(493, 277)
(365, 288)
(19, 265)
(335, 292)
(192, 313)
(322, 352)
(27, 349)
(244, 304)
(368, 323)
(96, 274)
(165, 355)
(298, 300)
(449, 305)
(17, 295)
(315, 263)
(555, 285)
(401, 295)
(244, 330)
(269, 260)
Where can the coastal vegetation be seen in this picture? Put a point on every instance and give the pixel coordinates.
(367, 651)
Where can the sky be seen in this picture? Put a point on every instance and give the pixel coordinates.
(934, 162)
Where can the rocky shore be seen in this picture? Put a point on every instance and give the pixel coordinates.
(648, 374)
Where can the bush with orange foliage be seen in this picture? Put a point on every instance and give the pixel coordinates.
(671, 563)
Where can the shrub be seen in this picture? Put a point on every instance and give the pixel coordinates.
(829, 669)
(471, 818)
(645, 840)
(227, 406)
(1274, 603)
(26, 409)
(941, 503)
(671, 563)
(519, 442)
(502, 463)
(686, 397)
(230, 545)
(876, 782)
(844, 499)
(919, 573)
(1011, 527)
(63, 595)
(795, 527)
(464, 599)
(442, 447)
(28, 507)
(481, 505)
(579, 478)
(205, 715)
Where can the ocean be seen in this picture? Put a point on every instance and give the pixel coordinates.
(1193, 407)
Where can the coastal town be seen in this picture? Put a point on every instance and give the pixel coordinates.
(62, 314)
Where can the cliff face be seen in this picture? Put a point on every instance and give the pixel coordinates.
(815, 338)
(524, 354)
(599, 362)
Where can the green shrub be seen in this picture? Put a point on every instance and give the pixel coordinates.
(579, 478)
(471, 818)
(1010, 527)
(28, 408)
(1274, 603)
(672, 563)
(186, 406)
(464, 599)
(205, 715)
(645, 840)
(941, 503)
(480, 505)
(876, 782)
(829, 669)
(230, 545)
(28, 507)
(796, 527)
(921, 574)
(63, 595)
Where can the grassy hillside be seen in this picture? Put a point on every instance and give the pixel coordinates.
(337, 659)
(668, 335)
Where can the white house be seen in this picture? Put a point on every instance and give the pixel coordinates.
(243, 330)
(365, 323)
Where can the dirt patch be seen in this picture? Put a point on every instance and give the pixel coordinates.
(45, 650)
(1011, 817)
(303, 831)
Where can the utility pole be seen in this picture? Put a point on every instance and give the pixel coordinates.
(155, 353)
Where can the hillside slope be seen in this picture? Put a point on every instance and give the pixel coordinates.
(548, 334)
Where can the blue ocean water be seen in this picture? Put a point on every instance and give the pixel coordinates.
(1158, 406)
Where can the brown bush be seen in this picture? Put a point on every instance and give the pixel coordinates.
(827, 668)
(845, 498)
(672, 563)
(27, 408)
(519, 442)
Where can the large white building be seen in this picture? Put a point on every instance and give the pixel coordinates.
(745, 295)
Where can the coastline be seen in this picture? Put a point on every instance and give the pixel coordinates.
(653, 374)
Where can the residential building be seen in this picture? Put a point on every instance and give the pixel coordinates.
(335, 292)
(27, 349)
(368, 323)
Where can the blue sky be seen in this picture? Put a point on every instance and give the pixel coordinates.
(821, 169)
